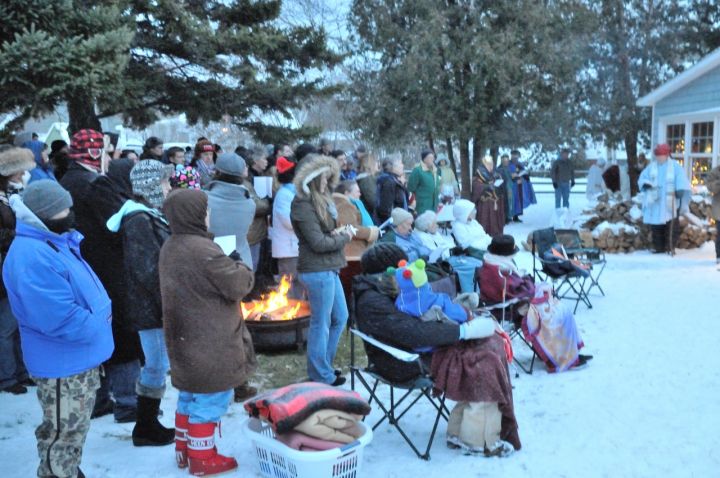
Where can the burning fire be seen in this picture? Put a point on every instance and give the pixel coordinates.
(275, 305)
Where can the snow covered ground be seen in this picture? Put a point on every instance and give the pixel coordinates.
(645, 407)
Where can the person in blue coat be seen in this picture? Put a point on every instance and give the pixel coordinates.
(64, 316)
(44, 169)
(666, 192)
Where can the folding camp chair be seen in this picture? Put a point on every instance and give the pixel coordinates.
(592, 256)
(568, 285)
(393, 412)
(504, 312)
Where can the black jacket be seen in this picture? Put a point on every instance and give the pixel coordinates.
(374, 295)
(391, 193)
(143, 235)
(95, 199)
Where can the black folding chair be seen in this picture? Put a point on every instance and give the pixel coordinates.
(400, 404)
(504, 312)
(567, 285)
(592, 256)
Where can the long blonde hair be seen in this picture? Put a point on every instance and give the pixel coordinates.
(322, 200)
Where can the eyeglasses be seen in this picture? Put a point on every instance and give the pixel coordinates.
(95, 153)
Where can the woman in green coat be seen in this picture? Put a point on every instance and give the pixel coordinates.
(424, 182)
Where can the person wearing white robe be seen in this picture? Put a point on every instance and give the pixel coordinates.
(467, 231)
(595, 181)
(666, 191)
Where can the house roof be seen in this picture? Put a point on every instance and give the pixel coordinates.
(706, 64)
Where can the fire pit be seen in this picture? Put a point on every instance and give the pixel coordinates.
(277, 322)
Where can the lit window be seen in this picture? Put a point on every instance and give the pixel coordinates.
(676, 140)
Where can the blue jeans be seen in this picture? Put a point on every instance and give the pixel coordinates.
(120, 379)
(562, 192)
(204, 407)
(465, 267)
(328, 316)
(152, 376)
(12, 367)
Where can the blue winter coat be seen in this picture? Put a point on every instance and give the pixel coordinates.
(62, 309)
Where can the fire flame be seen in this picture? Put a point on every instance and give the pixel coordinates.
(274, 305)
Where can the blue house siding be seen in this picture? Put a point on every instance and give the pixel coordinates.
(701, 94)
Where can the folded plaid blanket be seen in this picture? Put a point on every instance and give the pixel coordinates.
(286, 407)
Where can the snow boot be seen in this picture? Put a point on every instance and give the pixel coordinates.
(181, 429)
(202, 455)
(148, 430)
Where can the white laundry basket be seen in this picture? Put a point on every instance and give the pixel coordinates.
(276, 460)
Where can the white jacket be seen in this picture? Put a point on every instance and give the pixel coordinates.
(436, 241)
(282, 235)
(468, 233)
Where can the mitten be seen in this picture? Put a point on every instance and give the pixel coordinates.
(478, 328)
(469, 300)
(554, 185)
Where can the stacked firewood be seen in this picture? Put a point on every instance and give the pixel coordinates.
(615, 225)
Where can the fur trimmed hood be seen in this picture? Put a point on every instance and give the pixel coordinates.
(15, 160)
(313, 166)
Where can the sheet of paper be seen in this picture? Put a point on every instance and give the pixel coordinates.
(226, 243)
(263, 186)
(498, 182)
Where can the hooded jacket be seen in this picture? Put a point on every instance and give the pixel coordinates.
(209, 347)
(62, 309)
(375, 296)
(143, 231)
(231, 212)
(468, 233)
(318, 249)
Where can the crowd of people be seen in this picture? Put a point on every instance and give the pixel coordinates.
(109, 262)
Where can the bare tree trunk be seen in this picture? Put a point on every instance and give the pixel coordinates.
(451, 154)
(477, 154)
(81, 111)
(465, 165)
(430, 140)
(631, 150)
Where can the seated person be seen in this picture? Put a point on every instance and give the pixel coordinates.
(547, 323)
(401, 233)
(469, 365)
(468, 233)
(442, 247)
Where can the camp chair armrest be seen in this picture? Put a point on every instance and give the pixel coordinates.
(399, 354)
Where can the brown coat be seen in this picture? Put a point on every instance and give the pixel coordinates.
(349, 214)
(259, 226)
(209, 347)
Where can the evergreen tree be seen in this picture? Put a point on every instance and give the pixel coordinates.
(207, 59)
(469, 72)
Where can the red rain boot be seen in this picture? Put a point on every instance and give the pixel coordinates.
(181, 429)
(202, 455)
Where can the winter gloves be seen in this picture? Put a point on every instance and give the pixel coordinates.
(478, 328)
(469, 300)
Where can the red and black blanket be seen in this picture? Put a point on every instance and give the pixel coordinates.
(286, 407)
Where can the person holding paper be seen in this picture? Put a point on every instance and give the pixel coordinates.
(256, 161)
(321, 256)
(488, 198)
(229, 200)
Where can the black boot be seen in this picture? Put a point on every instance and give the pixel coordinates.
(148, 430)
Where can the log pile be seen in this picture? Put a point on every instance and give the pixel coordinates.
(615, 225)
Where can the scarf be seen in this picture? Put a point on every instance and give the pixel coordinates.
(365, 218)
(503, 262)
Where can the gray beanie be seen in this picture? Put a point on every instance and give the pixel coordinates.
(230, 163)
(46, 198)
(400, 215)
(146, 177)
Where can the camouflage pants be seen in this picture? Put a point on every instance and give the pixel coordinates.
(67, 404)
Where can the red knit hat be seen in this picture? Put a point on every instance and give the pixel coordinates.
(86, 147)
(662, 150)
(282, 164)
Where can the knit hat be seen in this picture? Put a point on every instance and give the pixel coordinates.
(400, 215)
(503, 245)
(231, 164)
(203, 146)
(86, 147)
(410, 276)
(662, 150)
(380, 256)
(46, 198)
(146, 177)
(283, 165)
(425, 153)
(185, 177)
(15, 160)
